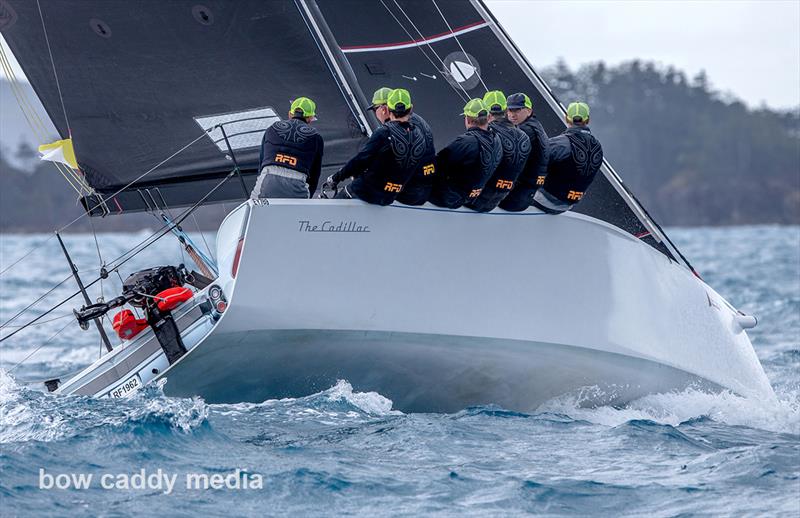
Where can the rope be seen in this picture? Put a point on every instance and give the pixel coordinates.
(38, 348)
(53, 63)
(442, 70)
(86, 213)
(35, 122)
(168, 229)
(457, 41)
(30, 114)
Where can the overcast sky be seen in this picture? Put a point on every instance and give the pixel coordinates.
(749, 48)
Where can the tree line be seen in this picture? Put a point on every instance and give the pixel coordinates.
(692, 155)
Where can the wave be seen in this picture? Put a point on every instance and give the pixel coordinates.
(29, 415)
(674, 408)
(338, 399)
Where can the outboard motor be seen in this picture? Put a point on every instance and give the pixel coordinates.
(157, 291)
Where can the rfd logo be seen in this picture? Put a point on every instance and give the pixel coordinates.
(540, 180)
(428, 170)
(504, 184)
(574, 195)
(392, 187)
(475, 193)
(286, 159)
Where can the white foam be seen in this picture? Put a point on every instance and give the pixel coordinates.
(369, 402)
(781, 415)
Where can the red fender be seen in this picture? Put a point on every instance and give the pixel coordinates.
(171, 298)
(127, 325)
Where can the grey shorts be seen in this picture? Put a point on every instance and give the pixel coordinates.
(270, 185)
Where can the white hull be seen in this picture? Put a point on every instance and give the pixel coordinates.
(440, 309)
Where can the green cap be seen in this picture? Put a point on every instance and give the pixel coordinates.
(474, 108)
(399, 100)
(578, 109)
(495, 101)
(304, 106)
(380, 97)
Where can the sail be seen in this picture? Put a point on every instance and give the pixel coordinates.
(446, 52)
(139, 81)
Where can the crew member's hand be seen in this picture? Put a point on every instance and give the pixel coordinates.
(330, 187)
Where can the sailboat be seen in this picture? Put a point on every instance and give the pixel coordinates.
(436, 309)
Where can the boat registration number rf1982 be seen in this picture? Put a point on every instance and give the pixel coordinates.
(127, 387)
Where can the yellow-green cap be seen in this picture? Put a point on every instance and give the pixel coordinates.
(380, 97)
(578, 109)
(399, 100)
(474, 107)
(495, 101)
(304, 106)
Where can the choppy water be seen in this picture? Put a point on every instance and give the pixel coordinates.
(341, 451)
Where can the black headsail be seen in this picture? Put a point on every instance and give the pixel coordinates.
(446, 52)
(141, 80)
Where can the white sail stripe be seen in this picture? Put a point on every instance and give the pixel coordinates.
(413, 44)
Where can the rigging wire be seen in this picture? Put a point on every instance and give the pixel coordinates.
(86, 213)
(203, 236)
(167, 228)
(99, 256)
(459, 44)
(53, 63)
(40, 346)
(65, 315)
(442, 70)
(29, 306)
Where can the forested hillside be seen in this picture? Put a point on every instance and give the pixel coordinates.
(693, 156)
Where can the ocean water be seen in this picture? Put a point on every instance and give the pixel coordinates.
(347, 452)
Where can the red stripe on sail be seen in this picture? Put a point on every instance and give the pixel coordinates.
(454, 32)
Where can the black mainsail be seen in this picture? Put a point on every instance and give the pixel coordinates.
(141, 80)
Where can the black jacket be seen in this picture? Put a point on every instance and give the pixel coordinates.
(295, 145)
(418, 188)
(464, 167)
(516, 148)
(535, 170)
(575, 157)
(385, 163)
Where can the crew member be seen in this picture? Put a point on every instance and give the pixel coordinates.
(520, 113)
(575, 157)
(388, 159)
(516, 148)
(417, 189)
(291, 155)
(466, 164)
